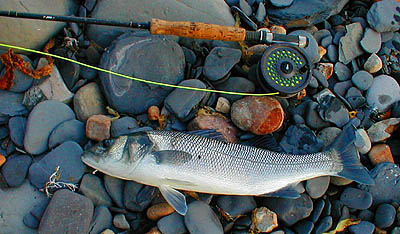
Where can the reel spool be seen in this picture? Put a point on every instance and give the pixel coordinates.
(285, 69)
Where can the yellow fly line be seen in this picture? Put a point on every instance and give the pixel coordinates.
(135, 78)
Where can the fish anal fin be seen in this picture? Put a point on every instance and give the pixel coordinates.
(285, 192)
(174, 198)
(174, 157)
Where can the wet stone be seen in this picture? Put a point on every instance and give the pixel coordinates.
(220, 61)
(263, 220)
(382, 16)
(304, 227)
(120, 222)
(290, 211)
(200, 218)
(16, 126)
(42, 120)
(386, 176)
(182, 103)
(67, 156)
(67, 212)
(373, 64)
(342, 71)
(137, 197)
(322, 79)
(92, 187)
(127, 55)
(102, 219)
(115, 188)
(385, 215)
(383, 92)
(371, 41)
(21, 82)
(337, 36)
(89, 101)
(317, 187)
(123, 126)
(71, 130)
(318, 207)
(299, 139)
(235, 206)
(312, 49)
(324, 225)
(236, 84)
(362, 80)
(356, 198)
(15, 169)
(171, 224)
(349, 45)
(32, 97)
(364, 227)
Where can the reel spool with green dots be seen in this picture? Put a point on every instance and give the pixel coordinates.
(284, 68)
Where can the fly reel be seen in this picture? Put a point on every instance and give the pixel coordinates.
(285, 69)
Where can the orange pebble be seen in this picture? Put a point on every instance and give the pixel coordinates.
(154, 230)
(380, 153)
(159, 210)
(2, 159)
(153, 113)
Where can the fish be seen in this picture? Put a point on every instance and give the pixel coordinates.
(173, 160)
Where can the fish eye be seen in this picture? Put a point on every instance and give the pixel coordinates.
(108, 143)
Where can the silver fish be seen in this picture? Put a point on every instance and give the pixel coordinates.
(173, 160)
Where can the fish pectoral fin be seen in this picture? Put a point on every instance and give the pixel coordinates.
(175, 198)
(173, 157)
(285, 192)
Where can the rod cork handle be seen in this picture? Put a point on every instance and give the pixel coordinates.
(197, 30)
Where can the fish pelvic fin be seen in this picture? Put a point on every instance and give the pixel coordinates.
(345, 151)
(174, 198)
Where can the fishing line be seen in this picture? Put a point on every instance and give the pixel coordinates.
(135, 78)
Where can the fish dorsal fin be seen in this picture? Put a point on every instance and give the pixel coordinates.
(285, 192)
(209, 133)
(174, 157)
(175, 198)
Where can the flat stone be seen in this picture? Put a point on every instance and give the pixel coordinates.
(362, 141)
(127, 55)
(236, 84)
(349, 45)
(382, 16)
(53, 87)
(356, 198)
(11, 103)
(364, 227)
(313, 119)
(332, 53)
(373, 64)
(383, 92)
(322, 79)
(371, 41)
(120, 222)
(304, 226)
(263, 220)
(386, 175)
(42, 120)
(98, 127)
(15, 169)
(382, 130)
(245, 7)
(366, 215)
(324, 225)
(67, 212)
(261, 13)
(115, 188)
(223, 105)
(385, 215)
(89, 101)
(342, 87)
(137, 197)
(159, 210)
(93, 188)
(71, 130)
(312, 48)
(26, 34)
(200, 218)
(331, 109)
(299, 139)
(318, 207)
(259, 115)
(123, 126)
(211, 11)
(235, 206)
(220, 61)
(172, 223)
(182, 103)
(362, 80)
(21, 81)
(342, 71)
(67, 156)
(328, 135)
(290, 211)
(102, 220)
(16, 126)
(380, 153)
(15, 203)
(317, 187)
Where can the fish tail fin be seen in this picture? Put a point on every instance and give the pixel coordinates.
(344, 149)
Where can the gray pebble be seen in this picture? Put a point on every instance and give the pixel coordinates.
(120, 222)
(281, 3)
(383, 93)
(200, 218)
(235, 206)
(326, 41)
(385, 215)
(102, 219)
(362, 80)
(342, 71)
(324, 225)
(381, 16)
(15, 169)
(172, 224)
(245, 7)
(366, 215)
(318, 208)
(371, 42)
(356, 198)
(328, 135)
(342, 87)
(71, 130)
(220, 61)
(364, 227)
(261, 13)
(92, 187)
(115, 188)
(332, 53)
(317, 187)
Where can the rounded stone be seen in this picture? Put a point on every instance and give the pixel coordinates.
(362, 80)
(318, 207)
(373, 64)
(102, 219)
(16, 126)
(364, 227)
(385, 215)
(263, 220)
(159, 210)
(172, 223)
(342, 71)
(381, 16)
(332, 53)
(324, 224)
(362, 141)
(71, 130)
(120, 222)
(317, 187)
(200, 218)
(220, 61)
(93, 188)
(123, 126)
(42, 120)
(89, 101)
(235, 206)
(383, 93)
(137, 197)
(21, 81)
(371, 41)
(299, 139)
(281, 3)
(328, 135)
(259, 115)
(380, 153)
(150, 58)
(15, 169)
(236, 84)
(115, 188)
(356, 198)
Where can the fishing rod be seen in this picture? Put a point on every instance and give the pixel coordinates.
(188, 29)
